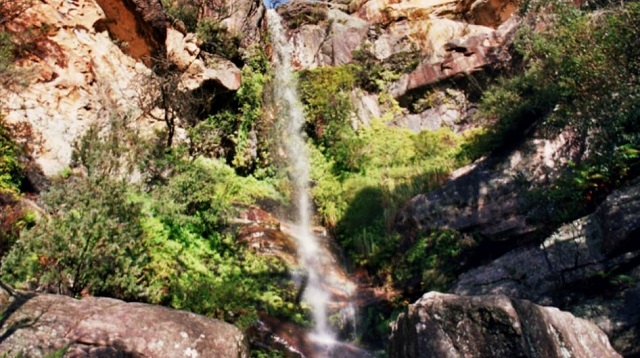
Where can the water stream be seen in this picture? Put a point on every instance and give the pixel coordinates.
(290, 121)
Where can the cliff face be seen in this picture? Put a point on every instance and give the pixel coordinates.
(76, 76)
(93, 60)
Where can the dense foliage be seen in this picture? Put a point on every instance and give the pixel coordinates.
(165, 243)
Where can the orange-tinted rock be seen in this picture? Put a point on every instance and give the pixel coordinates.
(140, 25)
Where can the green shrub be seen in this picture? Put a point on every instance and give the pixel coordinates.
(184, 10)
(325, 92)
(11, 169)
(432, 262)
(89, 242)
(217, 40)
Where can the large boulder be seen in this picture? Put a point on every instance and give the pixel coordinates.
(445, 325)
(39, 325)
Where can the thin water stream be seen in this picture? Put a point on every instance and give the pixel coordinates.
(290, 121)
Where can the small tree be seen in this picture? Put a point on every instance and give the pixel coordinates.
(90, 240)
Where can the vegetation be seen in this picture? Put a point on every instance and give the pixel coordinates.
(168, 242)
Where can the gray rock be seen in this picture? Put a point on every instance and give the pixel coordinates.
(485, 197)
(574, 253)
(38, 325)
(590, 251)
(444, 325)
(241, 18)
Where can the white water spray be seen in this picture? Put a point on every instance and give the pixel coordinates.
(290, 121)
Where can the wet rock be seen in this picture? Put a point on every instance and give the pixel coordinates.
(38, 325)
(444, 325)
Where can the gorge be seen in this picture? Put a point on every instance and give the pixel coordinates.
(321, 179)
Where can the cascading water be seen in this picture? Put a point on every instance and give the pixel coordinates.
(290, 121)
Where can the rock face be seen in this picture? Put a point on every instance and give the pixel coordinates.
(140, 24)
(324, 36)
(486, 197)
(444, 325)
(463, 57)
(240, 18)
(599, 251)
(479, 12)
(77, 77)
(90, 63)
(38, 325)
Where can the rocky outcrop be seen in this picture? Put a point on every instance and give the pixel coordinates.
(491, 13)
(241, 19)
(444, 325)
(449, 108)
(486, 197)
(83, 70)
(324, 36)
(198, 67)
(577, 251)
(75, 76)
(479, 12)
(39, 325)
(597, 252)
(463, 57)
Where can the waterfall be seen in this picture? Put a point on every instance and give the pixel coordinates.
(290, 121)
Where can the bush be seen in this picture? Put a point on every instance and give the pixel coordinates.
(432, 262)
(217, 40)
(325, 92)
(89, 240)
(185, 11)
